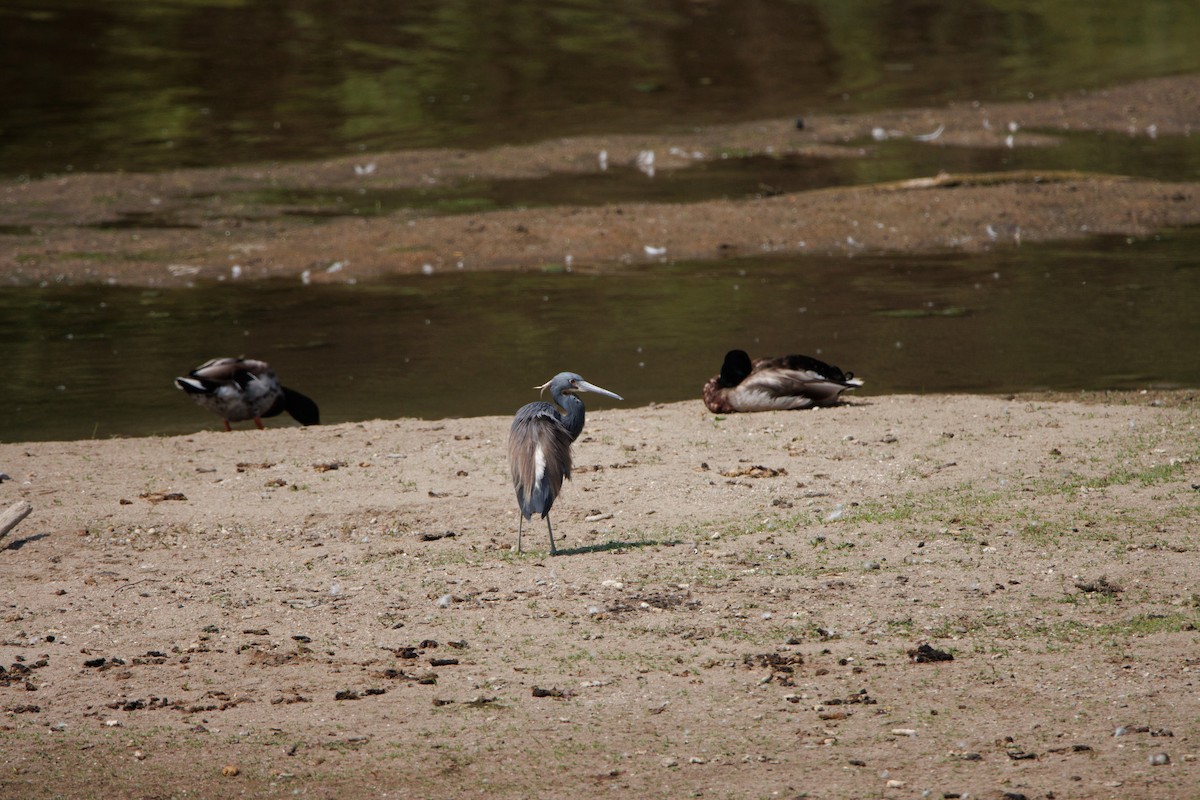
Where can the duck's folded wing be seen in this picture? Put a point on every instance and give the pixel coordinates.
(797, 363)
(195, 386)
(231, 370)
(790, 388)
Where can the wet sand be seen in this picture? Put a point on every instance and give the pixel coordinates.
(179, 227)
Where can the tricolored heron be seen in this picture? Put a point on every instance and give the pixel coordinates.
(539, 446)
(242, 388)
(775, 383)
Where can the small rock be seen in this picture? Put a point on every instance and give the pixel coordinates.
(230, 771)
(1159, 759)
(903, 732)
(670, 762)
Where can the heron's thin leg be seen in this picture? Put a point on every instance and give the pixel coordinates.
(520, 524)
(552, 550)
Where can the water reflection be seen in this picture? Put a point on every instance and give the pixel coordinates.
(151, 84)
(1108, 313)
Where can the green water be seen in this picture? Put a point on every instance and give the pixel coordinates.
(156, 84)
(1110, 313)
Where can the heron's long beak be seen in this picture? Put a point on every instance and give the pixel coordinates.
(584, 386)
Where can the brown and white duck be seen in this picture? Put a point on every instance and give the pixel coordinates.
(239, 389)
(770, 384)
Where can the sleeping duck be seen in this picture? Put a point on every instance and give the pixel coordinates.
(775, 383)
(242, 388)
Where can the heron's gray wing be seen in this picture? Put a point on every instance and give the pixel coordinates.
(539, 452)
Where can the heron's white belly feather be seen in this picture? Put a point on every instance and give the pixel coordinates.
(539, 464)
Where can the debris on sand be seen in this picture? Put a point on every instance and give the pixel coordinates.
(925, 654)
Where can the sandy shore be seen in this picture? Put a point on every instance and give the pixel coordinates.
(337, 611)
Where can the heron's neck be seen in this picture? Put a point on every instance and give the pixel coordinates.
(573, 419)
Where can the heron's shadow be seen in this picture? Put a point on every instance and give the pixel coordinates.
(611, 546)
